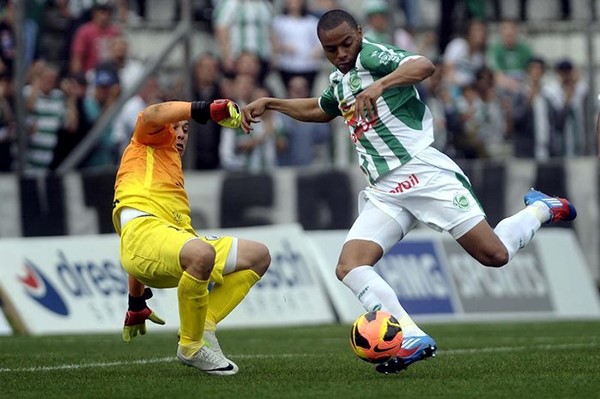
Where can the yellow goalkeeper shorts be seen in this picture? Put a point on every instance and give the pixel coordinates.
(150, 249)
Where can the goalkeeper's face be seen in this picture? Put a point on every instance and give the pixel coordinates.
(181, 134)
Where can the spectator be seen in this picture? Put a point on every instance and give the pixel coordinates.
(8, 42)
(130, 69)
(106, 91)
(45, 108)
(435, 94)
(91, 42)
(255, 152)
(568, 99)
(509, 57)
(449, 18)
(464, 56)
(244, 25)
(483, 118)
(34, 13)
(295, 43)
(377, 21)
(207, 88)
(532, 115)
(7, 131)
(124, 122)
(412, 13)
(377, 26)
(302, 143)
(320, 7)
(55, 37)
(74, 86)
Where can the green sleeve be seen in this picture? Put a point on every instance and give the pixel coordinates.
(381, 59)
(328, 102)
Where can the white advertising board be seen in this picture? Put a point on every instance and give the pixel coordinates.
(436, 280)
(76, 284)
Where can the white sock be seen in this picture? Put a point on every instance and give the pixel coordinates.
(517, 230)
(374, 294)
(541, 210)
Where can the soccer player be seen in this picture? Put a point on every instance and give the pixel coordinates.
(159, 247)
(372, 88)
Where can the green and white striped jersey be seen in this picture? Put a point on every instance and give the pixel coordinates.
(404, 125)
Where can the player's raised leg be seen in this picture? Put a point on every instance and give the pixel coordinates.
(497, 247)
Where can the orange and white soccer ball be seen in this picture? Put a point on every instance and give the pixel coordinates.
(376, 336)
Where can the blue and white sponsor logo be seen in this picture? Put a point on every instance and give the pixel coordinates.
(414, 270)
(38, 287)
(62, 281)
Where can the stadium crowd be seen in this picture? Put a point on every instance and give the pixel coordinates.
(491, 97)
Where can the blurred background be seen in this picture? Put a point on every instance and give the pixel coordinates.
(514, 98)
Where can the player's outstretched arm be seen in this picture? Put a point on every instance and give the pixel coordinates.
(224, 111)
(302, 109)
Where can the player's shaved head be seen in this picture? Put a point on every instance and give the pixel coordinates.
(334, 18)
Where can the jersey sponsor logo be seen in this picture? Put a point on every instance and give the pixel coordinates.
(461, 201)
(407, 184)
(211, 238)
(40, 289)
(359, 127)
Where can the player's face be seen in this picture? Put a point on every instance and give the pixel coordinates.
(342, 45)
(181, 134)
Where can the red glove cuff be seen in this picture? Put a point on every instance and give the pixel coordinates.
(219, 110)
(135, 318)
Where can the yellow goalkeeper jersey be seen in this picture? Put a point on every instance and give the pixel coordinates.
(150, 177)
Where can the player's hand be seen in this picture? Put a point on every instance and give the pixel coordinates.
(135, 322)
(137, 314)
(226, 113)
(365, 106)
(251, 114)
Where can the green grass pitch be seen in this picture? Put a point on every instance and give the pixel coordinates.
(495, 360)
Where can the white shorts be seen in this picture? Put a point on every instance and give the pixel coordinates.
(431, 188)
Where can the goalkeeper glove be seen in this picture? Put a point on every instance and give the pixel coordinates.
(137, 314)
(226, 113)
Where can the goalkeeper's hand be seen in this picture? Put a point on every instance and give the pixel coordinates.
(226, 113)
(136, 316)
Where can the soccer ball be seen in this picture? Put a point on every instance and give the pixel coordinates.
(376, 336)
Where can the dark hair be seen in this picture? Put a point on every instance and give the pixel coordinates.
(537, 60)
(334, 18)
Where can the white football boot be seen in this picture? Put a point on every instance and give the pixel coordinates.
(210, 338)
(209, 361)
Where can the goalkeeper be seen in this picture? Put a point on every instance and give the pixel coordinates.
(159, 247)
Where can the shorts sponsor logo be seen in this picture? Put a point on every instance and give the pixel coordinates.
(407, 184)
(211, 238)
(461, 202)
